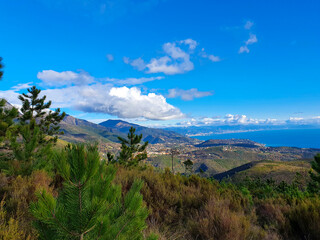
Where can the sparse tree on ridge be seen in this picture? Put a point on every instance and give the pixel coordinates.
(173, 152)
(188, 164)
(132, 151)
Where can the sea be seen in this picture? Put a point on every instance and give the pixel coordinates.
(302, 138)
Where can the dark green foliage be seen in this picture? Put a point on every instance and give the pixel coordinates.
(110, 157)
(89, 206)
(270, 189)
(7, 115)
(1, 66)
(35, 134)
(35, 108)
(132, 152)
(28, 151)
(188, 166)
(314, 185)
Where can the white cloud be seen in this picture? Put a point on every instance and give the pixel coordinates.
(244, 49)
(229, 119)
(176, 59)
(192, 43)
(304, 121)
(252, 39)
(133, 81)
(214, 58)
(248, 25)
(138, 64)
(161, 65)
(187, 94)
(122, 102)
(110, 57)
(65, 78)
(99, 97)
(211, 57)
(68, 78)
(11, 96)
(22, 86)
(126, 60)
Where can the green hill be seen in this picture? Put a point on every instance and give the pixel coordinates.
(152, 135)
(79, 130)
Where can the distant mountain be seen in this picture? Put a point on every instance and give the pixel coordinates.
(230, 142)
(79, 130)
(152, 135)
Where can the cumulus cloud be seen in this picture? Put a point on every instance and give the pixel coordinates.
(65, 78)
(229, 119)
(177, 59)
(136, 63)
(304, 121)
(122, 102)
(214, 58)
(211, 57)
(192, 43)
(248, 25)
(187, 95)
(244, 49)
(110, 57)
(252, 39)
(126, 60)
(102, 97)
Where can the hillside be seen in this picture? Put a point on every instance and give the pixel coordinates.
(152, 135)
(278, 171)
(221, 158)
(79, 130)
(230, 142)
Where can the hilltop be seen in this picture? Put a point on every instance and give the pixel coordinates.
(152, 135)
(79, 130)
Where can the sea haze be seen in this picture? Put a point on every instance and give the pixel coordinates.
(302, 138)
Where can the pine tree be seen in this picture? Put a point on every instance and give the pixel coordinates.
(132, 151)
(1, 66)
(89, 206)
(36, 109)
(188, 164)
(7, 115)
(314, 185)
(36, 132)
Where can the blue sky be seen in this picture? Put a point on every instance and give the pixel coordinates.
(165, 62)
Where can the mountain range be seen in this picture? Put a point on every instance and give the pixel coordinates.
(79, 130)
